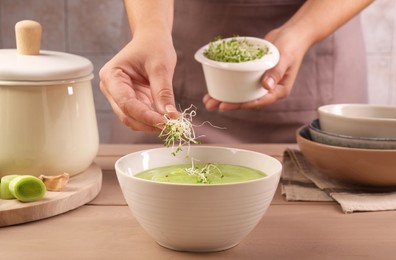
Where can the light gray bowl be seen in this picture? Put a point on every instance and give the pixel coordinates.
(360, 120)
(324, 137)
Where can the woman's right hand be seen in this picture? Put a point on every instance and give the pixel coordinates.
(138, 81)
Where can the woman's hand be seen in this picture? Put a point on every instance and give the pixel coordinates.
(278, 80)
(313, 22)
(138, 81)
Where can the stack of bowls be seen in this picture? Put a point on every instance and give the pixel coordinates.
(353, 142)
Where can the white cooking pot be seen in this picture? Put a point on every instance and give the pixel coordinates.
(47, 114)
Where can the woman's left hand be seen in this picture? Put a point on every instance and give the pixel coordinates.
(278, 80)
(313, 22)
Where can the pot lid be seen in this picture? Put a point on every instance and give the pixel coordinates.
(29, 63)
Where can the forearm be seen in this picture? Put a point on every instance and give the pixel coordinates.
(317, 19)
(148, 15)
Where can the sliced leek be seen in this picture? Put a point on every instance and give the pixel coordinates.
(27, 188)
(5, 193)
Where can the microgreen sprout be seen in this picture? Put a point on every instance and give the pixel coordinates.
(179, 131)
(204, 173)
(234, 50)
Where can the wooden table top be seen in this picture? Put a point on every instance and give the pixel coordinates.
(106, 229)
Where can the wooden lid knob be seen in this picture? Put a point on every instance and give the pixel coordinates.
(28, 37)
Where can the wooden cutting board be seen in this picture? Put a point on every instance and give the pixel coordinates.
(81, 189)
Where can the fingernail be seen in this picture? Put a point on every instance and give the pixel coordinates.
(170, 109)
(270, 82)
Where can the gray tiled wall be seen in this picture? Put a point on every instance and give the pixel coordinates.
(92, 28)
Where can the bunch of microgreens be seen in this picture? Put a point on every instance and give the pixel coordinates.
(233, 50)
(178, 132)
(203, 173)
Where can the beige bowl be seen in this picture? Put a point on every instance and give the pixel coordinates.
(359, 120)
(370, 167)
(198, 217)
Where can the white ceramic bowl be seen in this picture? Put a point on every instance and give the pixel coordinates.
(237, 82)
(359, 120)
(318, 135)
(198, 217)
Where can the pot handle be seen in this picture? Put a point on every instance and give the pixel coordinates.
(28, 37)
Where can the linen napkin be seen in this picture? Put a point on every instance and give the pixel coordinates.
(301, 181)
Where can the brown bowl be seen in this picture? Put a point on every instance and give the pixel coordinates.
(372, 167)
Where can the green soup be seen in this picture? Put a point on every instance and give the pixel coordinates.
(217, 174)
